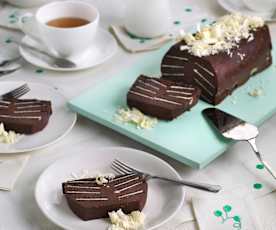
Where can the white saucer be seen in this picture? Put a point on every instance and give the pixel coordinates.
(235, 6)
(60, 123)
(164, 199)
(104, 47)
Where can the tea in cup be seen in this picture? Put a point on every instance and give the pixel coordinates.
(67, 28)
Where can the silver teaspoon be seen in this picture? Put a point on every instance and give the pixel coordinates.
(49, 58)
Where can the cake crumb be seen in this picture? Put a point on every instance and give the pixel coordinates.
(253, 71)
(135, 116)
(257, 92)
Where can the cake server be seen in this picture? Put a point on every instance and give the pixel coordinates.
(123, 168)
(234, 128)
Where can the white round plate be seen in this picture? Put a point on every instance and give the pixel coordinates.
(164, 199)
(103, 48)
(60, 123)
(237, 6)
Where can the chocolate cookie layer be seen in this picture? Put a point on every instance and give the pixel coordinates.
(219, 74)
(25, 116)
(88, 200)
(161, 98)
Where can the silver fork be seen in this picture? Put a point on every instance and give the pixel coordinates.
(123, 168)
(9, 61)
(16, 93)
(9, 71)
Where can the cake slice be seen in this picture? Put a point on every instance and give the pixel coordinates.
(161, 98)
(220, 57)
(25, 116)
(88, 200)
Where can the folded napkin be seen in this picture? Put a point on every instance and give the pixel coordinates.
(9, 15)
(225, 211)
(10, 169)
(262, 183)
(266, 210)
(188, 18)
(135, 44)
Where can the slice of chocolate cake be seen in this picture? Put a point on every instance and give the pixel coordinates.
(25, 116)
(220, 57)
(88, 200)
(161, 98)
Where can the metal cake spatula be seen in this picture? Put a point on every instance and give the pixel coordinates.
(234, 128)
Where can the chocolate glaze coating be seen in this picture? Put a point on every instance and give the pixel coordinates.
(161, 98)
(25, 116)
(218, 75)
(126, 192)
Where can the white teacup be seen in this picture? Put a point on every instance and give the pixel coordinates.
(65, 42)
(148, 18)
(260, 5)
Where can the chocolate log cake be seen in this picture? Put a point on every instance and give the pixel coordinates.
(88, 200)
(161, 98)
(220, 57)
(25, 116)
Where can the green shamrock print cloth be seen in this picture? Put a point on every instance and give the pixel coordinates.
(223, 211)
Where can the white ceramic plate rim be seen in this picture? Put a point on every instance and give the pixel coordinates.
(114, 149)
(225, 6)
(20, 151)
(78, 68)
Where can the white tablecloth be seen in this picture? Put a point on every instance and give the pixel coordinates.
(18, 209)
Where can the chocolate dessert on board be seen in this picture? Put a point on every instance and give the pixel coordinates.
(89, 200)
(161, 98)
(26, 116)
(220, 57)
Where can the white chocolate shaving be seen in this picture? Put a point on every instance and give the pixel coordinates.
(7, 137)
(256, 92)
(102, 179)
(121, 221)
(221, 36)
(134, 116)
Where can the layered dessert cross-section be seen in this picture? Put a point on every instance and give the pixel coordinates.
(220, 57)
(89, 200)
(26, 116)
(161, 98)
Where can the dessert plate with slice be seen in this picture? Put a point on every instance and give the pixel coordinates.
(163, 199)
(104, 47)
(40, 134)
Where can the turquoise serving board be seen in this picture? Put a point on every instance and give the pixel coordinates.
(189, 138)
